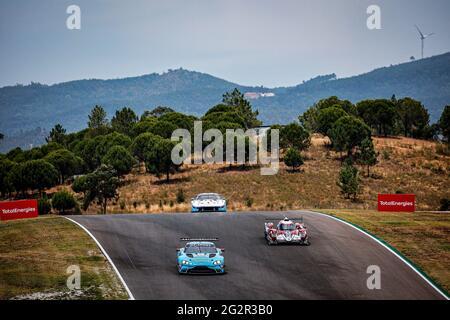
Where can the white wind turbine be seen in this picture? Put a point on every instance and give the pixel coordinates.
(423, 37)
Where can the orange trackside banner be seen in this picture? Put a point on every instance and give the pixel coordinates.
(11, 210)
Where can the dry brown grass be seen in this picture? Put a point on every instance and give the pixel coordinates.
(35, 254)
(422, 237)
(405, 165)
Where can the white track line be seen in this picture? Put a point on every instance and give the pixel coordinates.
(387, 247)
(131, 297)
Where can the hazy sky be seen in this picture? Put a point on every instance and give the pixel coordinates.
(251, 42)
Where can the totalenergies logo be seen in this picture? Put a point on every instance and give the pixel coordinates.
(10, 210)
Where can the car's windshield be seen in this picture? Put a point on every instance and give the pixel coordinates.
(200, 248)
(208, 197)
(287, 226)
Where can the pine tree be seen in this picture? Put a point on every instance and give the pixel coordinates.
(367, 154)
(349, 181)
(293, 158)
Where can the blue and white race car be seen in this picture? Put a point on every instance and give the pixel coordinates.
(200, 256)
(208, 202)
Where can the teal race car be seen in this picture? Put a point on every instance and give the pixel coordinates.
(200, 256)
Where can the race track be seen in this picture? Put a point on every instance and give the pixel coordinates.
(334, 267)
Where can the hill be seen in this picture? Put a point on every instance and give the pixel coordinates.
(405, 165)
(24, 108)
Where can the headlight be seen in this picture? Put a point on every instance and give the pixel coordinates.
(217, 262)
(184, 262)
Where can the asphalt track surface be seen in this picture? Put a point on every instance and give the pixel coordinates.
(143, 248)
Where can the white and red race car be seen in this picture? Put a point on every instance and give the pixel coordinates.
(285, 232)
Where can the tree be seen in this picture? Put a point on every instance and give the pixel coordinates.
(101, 186)
(80, 185)
(327, 117)
(231, 117)
(157, 112)
(106, 142)
(163, 129)
(246, 143)
(86, 149)
(143, 126)
(293, 158)
(413, 116)
(63, 201)
(379, 114)
(120, 159)
(57, 134)
(124, 120)
(367, 154)
(294, 135)
(347, 133)
(309, 119)
(98, 123)
(16, 179)
(236, 98)
(158, 160)
(40, 174)
(143, 144)
(221, 108)
(16, 155)
(6, 166)
(444, 123)
(179, 120)
(348, 181)
(334, 101)
(65, 162)
(49, 147)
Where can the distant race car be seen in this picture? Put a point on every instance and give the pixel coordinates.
(208, 202)
(200, 256)
(286, 231)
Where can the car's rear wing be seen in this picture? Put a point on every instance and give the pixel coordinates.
(199, 239)
(279, 219)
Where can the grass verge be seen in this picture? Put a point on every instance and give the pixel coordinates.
(35, 255)
(422, 237)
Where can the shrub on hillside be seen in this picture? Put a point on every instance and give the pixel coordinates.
(44, 205)
(349, 181)
(293, 158)
(63, 201)
(180, 196)
(445, 205)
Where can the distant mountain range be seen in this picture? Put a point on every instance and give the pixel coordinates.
(26, 107)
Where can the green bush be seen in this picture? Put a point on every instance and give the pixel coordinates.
(348, 181)
(293, 158)
(44, 205)
(445, 205)
(249, 202)
(63, 201)
(180, 196)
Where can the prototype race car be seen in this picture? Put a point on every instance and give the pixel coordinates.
(200, 256)
(208, 202)
(286, 231)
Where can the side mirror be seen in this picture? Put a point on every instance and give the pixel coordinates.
(221, 249)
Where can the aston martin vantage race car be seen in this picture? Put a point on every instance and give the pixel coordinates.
(286, 231)
(200, 256)
(208, 202)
